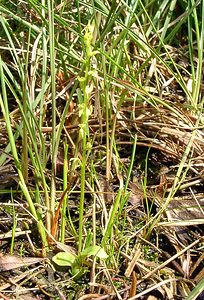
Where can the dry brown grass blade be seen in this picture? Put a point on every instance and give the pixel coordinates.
(196, 264)
(10, 262)
(199, 276)
(185, 209)
(153, 287)
(132, 263)
(161, 129)
(171, 259)
(17, 279)
(89, 296)
(5, 298)
(17, 234)
(133, 286)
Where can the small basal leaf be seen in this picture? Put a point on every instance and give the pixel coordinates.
(95, 251)
(64, 259)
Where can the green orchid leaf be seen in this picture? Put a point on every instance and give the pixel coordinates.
(64, 259)
(95, 251)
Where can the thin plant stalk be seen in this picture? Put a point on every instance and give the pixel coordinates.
(64, 204)
(24, 135)
(84, 112)
(15, 222)
(53, 92)
(24, 188)
(107, 113)
(124, 198)
(44, 65)
(111, 221)
(197, 78)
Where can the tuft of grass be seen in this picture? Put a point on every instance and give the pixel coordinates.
(97, 99)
